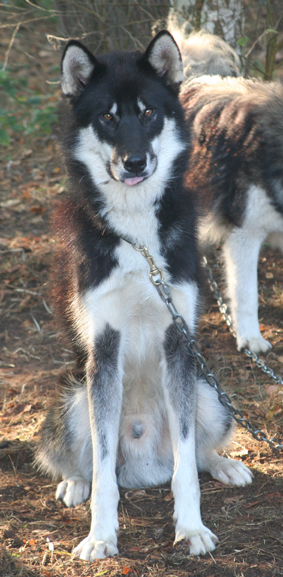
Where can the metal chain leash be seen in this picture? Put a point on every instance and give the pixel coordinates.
(228, 319)
(165, 294)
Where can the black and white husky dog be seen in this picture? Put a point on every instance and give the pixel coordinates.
(136, 415)
(236, 169)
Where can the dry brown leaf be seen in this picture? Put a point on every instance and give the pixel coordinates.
(168, 497)
(274, 411)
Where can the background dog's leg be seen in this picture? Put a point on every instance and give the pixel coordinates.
(180, 394)
(241, 252)
(104, 381)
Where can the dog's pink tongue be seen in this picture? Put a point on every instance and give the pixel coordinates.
(132, 181)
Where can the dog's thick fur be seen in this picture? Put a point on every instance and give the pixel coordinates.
(135, 412)
(203, 52)
(236, 169)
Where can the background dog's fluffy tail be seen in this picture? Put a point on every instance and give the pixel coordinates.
(202, 52)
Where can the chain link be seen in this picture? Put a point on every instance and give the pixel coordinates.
(165, 294)
(228, 319)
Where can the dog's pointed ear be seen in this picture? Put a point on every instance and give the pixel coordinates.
(164, 56)
(76, 68)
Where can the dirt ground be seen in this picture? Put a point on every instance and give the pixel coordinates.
(38, 533)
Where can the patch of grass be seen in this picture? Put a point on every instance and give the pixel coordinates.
(26, 111)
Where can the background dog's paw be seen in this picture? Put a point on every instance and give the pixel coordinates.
(200, 541)
(90, 549)
(73, 491)
(231, 472)
(256, 345)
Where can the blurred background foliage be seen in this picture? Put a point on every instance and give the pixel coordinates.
(253, 27)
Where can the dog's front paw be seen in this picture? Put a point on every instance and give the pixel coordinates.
(73, 491)
(256, 345)
(90, 549)
(200, 541)
(231, 472)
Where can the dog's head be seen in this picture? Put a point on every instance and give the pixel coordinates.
(121, 102)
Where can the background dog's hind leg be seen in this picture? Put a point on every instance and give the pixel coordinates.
(214, 426)
(241, 252)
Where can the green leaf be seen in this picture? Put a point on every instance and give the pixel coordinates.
(243, 41)
(34, 100)
(22, 99)
(4, 138)
(271, 30)
(260, 66)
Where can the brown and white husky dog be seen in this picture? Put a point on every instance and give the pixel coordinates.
(235, 168)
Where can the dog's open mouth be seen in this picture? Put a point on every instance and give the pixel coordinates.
(132, 181)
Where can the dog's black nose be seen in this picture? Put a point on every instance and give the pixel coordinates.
(135, 164)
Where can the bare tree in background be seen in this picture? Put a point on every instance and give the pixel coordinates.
(264, 36)
(107, 25)
(253, 27)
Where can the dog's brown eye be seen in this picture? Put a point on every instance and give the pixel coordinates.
(148, 112)
(107, 116)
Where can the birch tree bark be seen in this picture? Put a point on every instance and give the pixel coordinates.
(222, 17)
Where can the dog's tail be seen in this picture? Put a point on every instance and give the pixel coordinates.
(202, 52)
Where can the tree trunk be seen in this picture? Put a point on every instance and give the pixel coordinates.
(221, 17)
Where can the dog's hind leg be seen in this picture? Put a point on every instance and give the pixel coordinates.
(65, 446)
(104, 386)
(73, 490)
(275, 240)
(181, 397)
(75, 486)
(213, 429)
